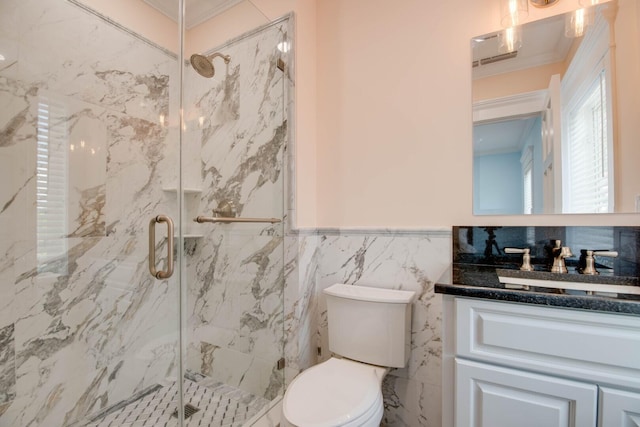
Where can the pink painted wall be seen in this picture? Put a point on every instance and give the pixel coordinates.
(394, 114)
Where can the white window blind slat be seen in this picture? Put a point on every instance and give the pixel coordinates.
(51, 186)
(587, 151)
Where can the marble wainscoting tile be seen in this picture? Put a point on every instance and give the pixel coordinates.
(7, 364)
(411, 403)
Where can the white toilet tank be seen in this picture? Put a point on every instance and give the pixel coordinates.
(370, 325)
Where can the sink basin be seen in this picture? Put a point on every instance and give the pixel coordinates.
(515, 279)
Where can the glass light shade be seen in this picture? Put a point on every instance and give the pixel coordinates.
(576, 22)
(589, 3)
(512, 12)
(510, 40)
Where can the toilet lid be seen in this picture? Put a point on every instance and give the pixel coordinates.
(333, 393)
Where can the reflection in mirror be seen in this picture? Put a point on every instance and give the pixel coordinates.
(550, 134)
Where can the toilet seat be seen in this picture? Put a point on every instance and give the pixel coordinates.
(338, 392)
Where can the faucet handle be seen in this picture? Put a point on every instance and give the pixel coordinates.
(611, 254)
(590, 264)
(526, 258)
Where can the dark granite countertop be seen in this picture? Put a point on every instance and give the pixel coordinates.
(570, 277)
(619, 304)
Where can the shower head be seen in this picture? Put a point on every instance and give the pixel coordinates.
(204, 65)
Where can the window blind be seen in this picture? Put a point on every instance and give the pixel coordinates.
(588, 154)
(51, 187)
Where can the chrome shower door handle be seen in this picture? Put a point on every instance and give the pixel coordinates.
(152, 247)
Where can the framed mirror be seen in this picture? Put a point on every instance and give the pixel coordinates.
(556, 106)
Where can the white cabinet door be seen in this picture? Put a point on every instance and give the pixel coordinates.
(492, 396)
(619, 408)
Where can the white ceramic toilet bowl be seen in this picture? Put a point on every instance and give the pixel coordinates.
(338, 392)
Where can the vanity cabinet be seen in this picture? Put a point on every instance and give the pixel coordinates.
(513, 364)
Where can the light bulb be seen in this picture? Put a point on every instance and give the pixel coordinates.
(510, 40)
(576, 22)
(512, 12)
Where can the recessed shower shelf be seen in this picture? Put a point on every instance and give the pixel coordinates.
(187, 190)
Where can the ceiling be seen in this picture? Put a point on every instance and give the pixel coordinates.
(197, 11)
(501, 137)
(543, 42)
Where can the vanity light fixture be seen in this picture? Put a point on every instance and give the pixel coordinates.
(510, 40)
(589, 3)
(512, 12)
(543, 3)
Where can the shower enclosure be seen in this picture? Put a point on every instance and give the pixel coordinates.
(107, 137)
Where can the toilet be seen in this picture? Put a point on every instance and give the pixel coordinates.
(369, 333)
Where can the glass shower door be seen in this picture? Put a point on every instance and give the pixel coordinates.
(89, 159)
(236, 134)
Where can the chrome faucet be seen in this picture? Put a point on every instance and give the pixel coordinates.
(559, 253)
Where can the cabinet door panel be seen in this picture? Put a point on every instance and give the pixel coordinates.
(492, 396)
(619, 408)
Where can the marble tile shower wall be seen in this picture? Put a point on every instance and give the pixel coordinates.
(87, 326)
(412, 260)
(237, 133)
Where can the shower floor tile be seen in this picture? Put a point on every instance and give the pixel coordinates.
(218, 404)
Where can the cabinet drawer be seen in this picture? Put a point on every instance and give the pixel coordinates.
(601, 347)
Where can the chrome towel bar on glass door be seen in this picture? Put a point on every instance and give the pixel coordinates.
(202, 219)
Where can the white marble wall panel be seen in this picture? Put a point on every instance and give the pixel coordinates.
(90, 327)
(237, 121)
